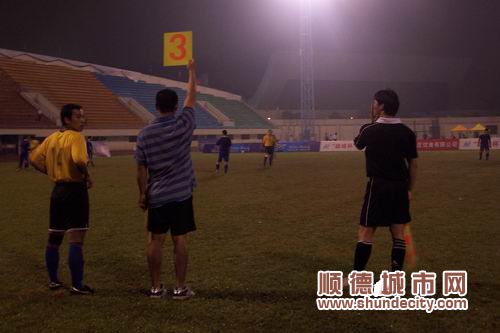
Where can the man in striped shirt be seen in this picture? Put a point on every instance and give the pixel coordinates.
(166, 180)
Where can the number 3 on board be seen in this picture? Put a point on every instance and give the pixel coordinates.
(177, 48)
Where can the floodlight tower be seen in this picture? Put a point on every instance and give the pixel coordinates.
(306, 71)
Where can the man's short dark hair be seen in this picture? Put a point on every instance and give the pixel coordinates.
(389, 99)
(224, 132)
(67, 111)
(166, 100)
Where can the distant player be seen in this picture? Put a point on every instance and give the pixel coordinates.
(391, 166)
(24, 154)
(269, 142)
(166, 180)
(90, 151)
(224, 144)
(63, 157)
(484, 143)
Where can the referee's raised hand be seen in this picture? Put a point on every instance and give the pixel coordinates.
(191, 65)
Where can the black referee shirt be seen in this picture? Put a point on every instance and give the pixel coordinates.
(224, 144)
(389, 147)
(485, 140)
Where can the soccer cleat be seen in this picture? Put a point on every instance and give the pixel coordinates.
(157, 292)
(54, 285)
(84, 290)
(183, 293)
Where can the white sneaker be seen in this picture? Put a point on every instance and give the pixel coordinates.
(183, 293)
(157, 292)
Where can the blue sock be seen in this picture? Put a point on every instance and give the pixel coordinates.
(76, 264)
(52, 261)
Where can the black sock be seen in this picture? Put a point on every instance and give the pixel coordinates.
(226, 167)
(487, 155)
(398, 254)
(271, 160)
(217, 167)
(75, 262)
(52, 261)
(265, 160)
(362, 254)
(481, 155)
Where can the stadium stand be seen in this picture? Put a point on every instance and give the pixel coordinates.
(117, 102)
(61, 85)
(241, 114)
(15, 111)
(145, 93)
(235, 112)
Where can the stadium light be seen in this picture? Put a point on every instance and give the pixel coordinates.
(319, 2)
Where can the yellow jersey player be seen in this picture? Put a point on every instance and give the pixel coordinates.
(269, 142)
(63, 157)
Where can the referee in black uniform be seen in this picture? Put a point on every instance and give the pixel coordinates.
(391, 166)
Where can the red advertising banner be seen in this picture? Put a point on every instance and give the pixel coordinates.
(437, 144)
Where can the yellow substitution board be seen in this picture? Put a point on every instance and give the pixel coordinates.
(177, 48)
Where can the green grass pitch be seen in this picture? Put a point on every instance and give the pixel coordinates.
(262, 236)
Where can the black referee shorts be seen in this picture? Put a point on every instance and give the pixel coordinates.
(223, 156)
(386, 202)
(69, 207)
(484, 148)
(269, 150)
(178, 217)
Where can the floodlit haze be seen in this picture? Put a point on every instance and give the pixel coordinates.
(234, 40)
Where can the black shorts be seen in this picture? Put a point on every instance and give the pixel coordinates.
(484, 148)
(223, 155)
(269, 150)
(386, 202)
(176, 216)
(69, 207)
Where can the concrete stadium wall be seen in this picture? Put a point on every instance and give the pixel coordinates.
(286, 130)
(347, 129)
(124, 140)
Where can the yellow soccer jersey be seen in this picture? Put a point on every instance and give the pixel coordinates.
(34, 144)
(60, 153)
(269, 140)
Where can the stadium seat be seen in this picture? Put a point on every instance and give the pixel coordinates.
(242, 115)
(15, 111)
(62, 85)
(145, 94)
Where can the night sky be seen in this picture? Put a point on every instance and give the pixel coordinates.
(233, 40)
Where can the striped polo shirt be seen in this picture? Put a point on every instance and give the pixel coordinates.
(164, 147)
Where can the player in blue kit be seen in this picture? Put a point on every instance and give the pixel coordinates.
(224, 144)
(484, 143)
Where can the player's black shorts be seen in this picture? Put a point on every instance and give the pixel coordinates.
(386, 202)
(69, 207)
(269, 150)
(176, 216)
(223, 155)
(484, 148)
